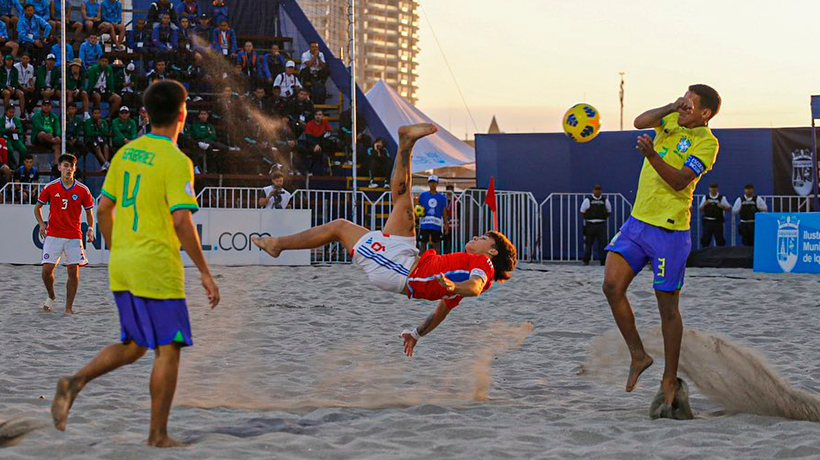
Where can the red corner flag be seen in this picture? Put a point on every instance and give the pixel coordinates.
(490, 201)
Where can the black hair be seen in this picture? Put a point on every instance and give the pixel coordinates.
(28, 157)
(749, 186)
(29, 5)
(66, 157)
(709, 98)
(378, 139)
(713, 185)
(597, 187)
(164, 101)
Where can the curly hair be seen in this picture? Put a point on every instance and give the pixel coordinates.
(504, 262)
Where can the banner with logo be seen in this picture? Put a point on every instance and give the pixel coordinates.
(787, 242)
(225, 233)
(792, 171)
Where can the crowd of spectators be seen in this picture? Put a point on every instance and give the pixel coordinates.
(253, 100)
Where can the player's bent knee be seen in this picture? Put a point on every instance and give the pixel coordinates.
(612, 288)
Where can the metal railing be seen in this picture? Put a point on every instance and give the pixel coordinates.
(564, 239)
(21, 193)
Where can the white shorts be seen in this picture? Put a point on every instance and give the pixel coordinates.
(387, 260)
(55, 248)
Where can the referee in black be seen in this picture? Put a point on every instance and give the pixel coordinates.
(596, 210)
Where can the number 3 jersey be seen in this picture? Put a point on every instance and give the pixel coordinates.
(149, 179)
(65, 208)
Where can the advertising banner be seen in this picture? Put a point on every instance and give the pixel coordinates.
(225, 234)
(792, 170)
(787, 242)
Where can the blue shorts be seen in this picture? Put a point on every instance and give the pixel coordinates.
(151, 323)
(667, 250)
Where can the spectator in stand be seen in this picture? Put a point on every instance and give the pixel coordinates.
(219, 12)
(100, 85)
(92, 16)
(276, 102)
(747, 206)
(96, 132)
(144, 123)
(5, 39)
(75, 86)
(123, 129)
(26, 174)
(158, 8)
(317, 141)
(25, 77)
(165, 37)
(55, 13)
(195, 77)
(287, 81)
(274, 64)
(125, 84)
(139, 39)
(5, 170)
(259, 101)
(188, 9)
(33, 33)
(42, 8)
(12, 131)
(379, 164)
(159, 72)
(203, 139)
(45, 130)
(91, 51)
(47, 80)
(74, 131)
(300, 111)
(252, 65)
(276, 197)
(314, 72)
(284, 145)
(57, 51)
(113, 25)
(7, 16)
(223, 40)
(187, 35)
(9, 81)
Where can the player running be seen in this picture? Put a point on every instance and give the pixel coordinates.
(63, 235)
(150, 186)
(683, 150)
(390, 257)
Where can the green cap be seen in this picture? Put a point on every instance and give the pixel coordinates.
(9, 56)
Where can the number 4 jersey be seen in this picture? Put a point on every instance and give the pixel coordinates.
(149, 179)
(66, 206)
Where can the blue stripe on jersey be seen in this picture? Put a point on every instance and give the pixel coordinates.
(386, 262)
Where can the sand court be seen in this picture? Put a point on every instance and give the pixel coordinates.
(306, 363)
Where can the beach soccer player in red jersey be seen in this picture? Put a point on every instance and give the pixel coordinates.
(390, 257)
(67, 198)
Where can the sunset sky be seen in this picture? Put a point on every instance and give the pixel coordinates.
(527, 61)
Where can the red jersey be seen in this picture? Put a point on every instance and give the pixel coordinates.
(317, 129)
(458, 267)
(65, 208)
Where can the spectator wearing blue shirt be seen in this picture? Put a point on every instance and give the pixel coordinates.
(57, 51)
(274, 64)
(433, 224)
(219, 12)
(165, 37)
(252, 64)
(5, 40)
(224, 40)
(27, 174)
(56, 21)
(92, 15)
(157, 9)
(7, 15)
(90, 51)
(188, 9)
(33, 32)
(112, 22)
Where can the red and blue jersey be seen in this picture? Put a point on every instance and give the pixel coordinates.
(65, 208)
(458, 267)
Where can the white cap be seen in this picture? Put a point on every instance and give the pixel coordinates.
(290, 64)
(130, 67)
(433, 178)
(51, 56)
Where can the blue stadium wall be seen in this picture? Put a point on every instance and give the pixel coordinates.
(548, 163)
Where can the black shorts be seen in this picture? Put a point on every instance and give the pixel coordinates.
(430, 236)
(105, 95)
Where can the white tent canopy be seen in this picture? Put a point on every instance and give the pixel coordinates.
(437, 151)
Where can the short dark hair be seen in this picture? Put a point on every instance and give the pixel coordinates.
(66, 156)
(164, 101)
(277, 175)
(709, 98)
(713, 185)
(505, 261)
(29, 5)
(749, 186)
(28, 157)
(596, 187)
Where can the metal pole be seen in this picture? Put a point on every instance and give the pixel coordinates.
(814, 166)
(353, 105)
(621, 97)
(63, 66)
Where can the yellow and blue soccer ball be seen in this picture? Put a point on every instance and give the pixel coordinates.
(419, 211)
(582, 122)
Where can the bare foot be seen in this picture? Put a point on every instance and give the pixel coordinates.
(416, 132)
(165, 441)
(69, 311)
(636, 369)
(67, 390)
(269, 244)
(669, 389)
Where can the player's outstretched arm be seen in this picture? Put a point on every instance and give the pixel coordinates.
(186, 232)
(430, 323)
(470, 288)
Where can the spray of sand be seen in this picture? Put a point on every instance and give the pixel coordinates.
(353, 376)
(733, 376)
(16, 428)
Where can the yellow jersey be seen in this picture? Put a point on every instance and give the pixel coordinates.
(149, 179)
(657, 203)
